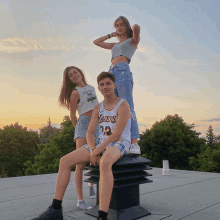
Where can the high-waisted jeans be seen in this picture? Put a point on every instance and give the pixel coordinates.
(124, 82)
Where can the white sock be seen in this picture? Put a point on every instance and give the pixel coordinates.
(80, 200)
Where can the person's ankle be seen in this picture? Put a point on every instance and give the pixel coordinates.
(102, 215)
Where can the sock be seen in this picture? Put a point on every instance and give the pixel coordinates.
(56, 204)
(80, 200)
(102, 215)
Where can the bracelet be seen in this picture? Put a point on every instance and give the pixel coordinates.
(92, 150)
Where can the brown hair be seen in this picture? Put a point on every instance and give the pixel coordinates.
(127, 25)
(68, 86)
(104, 75)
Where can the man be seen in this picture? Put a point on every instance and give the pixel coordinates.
(113, 115)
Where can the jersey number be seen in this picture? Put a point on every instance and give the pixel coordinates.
(107, 130)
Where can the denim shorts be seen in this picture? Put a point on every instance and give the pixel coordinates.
(82, 127)
(124, 89)
(123, 145)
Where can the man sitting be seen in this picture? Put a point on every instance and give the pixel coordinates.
(113, 116)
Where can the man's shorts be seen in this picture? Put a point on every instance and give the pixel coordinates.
(123, 145)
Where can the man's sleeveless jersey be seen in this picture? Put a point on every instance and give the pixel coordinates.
(107, 121)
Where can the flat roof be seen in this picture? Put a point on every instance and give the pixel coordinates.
(188, 195)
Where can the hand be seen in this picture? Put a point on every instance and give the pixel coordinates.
(113, 34)
(93, 158)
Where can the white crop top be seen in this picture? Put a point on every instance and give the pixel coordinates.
(88, 99)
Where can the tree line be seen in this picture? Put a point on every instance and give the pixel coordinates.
(24, 152)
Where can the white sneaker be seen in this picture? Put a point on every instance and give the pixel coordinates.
(83, 205)
(134, 149)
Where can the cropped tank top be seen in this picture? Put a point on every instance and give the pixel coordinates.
(123, 49)
(107, 121)
(88, 99)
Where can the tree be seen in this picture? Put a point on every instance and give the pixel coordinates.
(210, 137)
(208, 160)
(17, 145)
(46, 132)
(171, 139)
(59, 144)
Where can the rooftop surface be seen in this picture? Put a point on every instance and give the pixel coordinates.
(187, 195)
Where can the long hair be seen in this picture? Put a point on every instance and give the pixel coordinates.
(127, 25)
(68, 86)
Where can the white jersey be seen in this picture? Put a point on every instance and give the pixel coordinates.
(88, 99)
(107, 121)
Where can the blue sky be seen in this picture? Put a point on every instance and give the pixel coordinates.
(176, 68)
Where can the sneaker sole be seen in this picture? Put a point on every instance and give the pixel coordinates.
(92, 197)
(133, 152)
(83, 209)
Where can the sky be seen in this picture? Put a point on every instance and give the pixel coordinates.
(176, 68)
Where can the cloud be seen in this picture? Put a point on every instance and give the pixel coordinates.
(190, 62)
(212, 119)
(96, 49)
(26, 44)
(150, 53)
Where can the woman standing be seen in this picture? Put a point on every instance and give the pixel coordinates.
(122, 53)
(76, 94)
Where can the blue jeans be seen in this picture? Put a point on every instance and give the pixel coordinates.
(82, 127)
(124, 82)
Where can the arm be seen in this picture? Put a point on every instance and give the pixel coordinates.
(100, 41)
(92, 128)
(74, 98)
(136, 35)
(122, 119)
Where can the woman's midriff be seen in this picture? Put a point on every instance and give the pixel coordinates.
(89, 113)
(119, 59)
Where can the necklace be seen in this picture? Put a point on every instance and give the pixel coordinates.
(109, 109)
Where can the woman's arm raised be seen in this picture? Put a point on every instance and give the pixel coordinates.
(100, 41)
(136, 35)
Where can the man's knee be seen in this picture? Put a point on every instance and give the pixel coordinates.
(63, 161)
(109, 158)
(105, 163)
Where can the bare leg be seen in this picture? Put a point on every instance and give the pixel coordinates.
(66, 163)
(78, 176)
(134, 141)
(106, 181)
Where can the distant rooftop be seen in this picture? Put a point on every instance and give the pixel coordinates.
(187, 195)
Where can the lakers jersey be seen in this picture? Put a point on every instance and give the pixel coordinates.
(107, 121)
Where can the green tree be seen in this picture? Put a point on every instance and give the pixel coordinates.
(210, 137)
(46, 132)
(59, 144)
(17, 145)
(171, 139)
(208, 160)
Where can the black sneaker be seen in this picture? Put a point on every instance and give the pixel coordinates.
(51, 214)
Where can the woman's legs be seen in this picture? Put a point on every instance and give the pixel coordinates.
(79, 170)
(124, 82)
(80, 155)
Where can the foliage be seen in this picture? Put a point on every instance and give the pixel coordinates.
(210, 137)
(17, 145)
(171, 139)
(208, 160)
(46, 132)
(60, 144)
